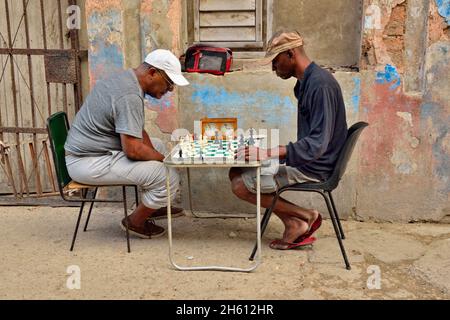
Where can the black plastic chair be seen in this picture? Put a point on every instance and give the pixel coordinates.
(324, 188)
(58, 128)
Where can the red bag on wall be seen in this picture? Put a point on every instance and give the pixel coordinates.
(206, 59)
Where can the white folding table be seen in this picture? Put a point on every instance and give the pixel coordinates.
(171, 161)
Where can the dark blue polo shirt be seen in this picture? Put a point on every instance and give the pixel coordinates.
(321, 124)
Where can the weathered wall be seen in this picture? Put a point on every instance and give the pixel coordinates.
(404, 166)
(400, 168)
(332, 29)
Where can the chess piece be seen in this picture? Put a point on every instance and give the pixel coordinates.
(251, 140)
(216, 140)
(241, 141)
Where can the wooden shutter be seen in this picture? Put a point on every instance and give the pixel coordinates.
(231, 23)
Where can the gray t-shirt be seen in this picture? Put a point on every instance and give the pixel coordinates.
(115, 106)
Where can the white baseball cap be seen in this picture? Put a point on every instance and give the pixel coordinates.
(166, 61)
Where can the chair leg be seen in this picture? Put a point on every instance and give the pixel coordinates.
(83, 194)
(337, 216)
(136, 194)
(90, 210)
(336, 230)
(125, 209)
(264, 223)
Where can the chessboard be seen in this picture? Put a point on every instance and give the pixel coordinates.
(206, 151)
(217, 150)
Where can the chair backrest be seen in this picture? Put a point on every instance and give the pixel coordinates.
(344, 156)
(58, 127)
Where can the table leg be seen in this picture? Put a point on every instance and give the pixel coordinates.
(169, 216)
(190, 192)
(216, 268)
(258, 213)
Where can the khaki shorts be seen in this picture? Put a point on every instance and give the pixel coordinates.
(274, 177)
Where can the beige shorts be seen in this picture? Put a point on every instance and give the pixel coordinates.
(274, 177)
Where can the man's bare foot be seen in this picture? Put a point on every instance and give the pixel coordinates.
(294, 228)
(313, 217)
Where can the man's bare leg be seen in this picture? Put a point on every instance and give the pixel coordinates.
(297, 220)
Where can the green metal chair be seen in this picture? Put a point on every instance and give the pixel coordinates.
(58, 127)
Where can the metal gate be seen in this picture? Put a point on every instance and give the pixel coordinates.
(40, 74)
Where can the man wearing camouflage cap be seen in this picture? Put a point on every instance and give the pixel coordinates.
(321, 133)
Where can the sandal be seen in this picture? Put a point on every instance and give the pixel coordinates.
(282, 245)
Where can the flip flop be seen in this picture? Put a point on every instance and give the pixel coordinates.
(316, 225)
(281, 245)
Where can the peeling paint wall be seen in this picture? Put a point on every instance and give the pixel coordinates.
(115, 44)
(104, 24)
(400, 168)
(404, 162)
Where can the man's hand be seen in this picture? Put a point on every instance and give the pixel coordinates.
(256, 154)
(252, 153)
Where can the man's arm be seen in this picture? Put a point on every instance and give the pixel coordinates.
(254, 153)
(147, 140)
(278, 152)
(139, 149)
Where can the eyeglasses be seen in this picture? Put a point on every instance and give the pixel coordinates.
(170, 84)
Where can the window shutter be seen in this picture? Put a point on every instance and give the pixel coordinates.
(231, 23)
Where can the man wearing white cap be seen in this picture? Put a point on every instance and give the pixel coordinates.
(107, 142)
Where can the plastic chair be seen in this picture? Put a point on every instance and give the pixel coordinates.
(324, 188)
(58, 127)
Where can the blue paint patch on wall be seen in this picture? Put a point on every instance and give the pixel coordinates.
(390, 75)
(274, 109)
(444, 9)
(442, 158)
(164, 103)
(105, 58)
(356, 94)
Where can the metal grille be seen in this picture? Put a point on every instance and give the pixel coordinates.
(40, 74)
